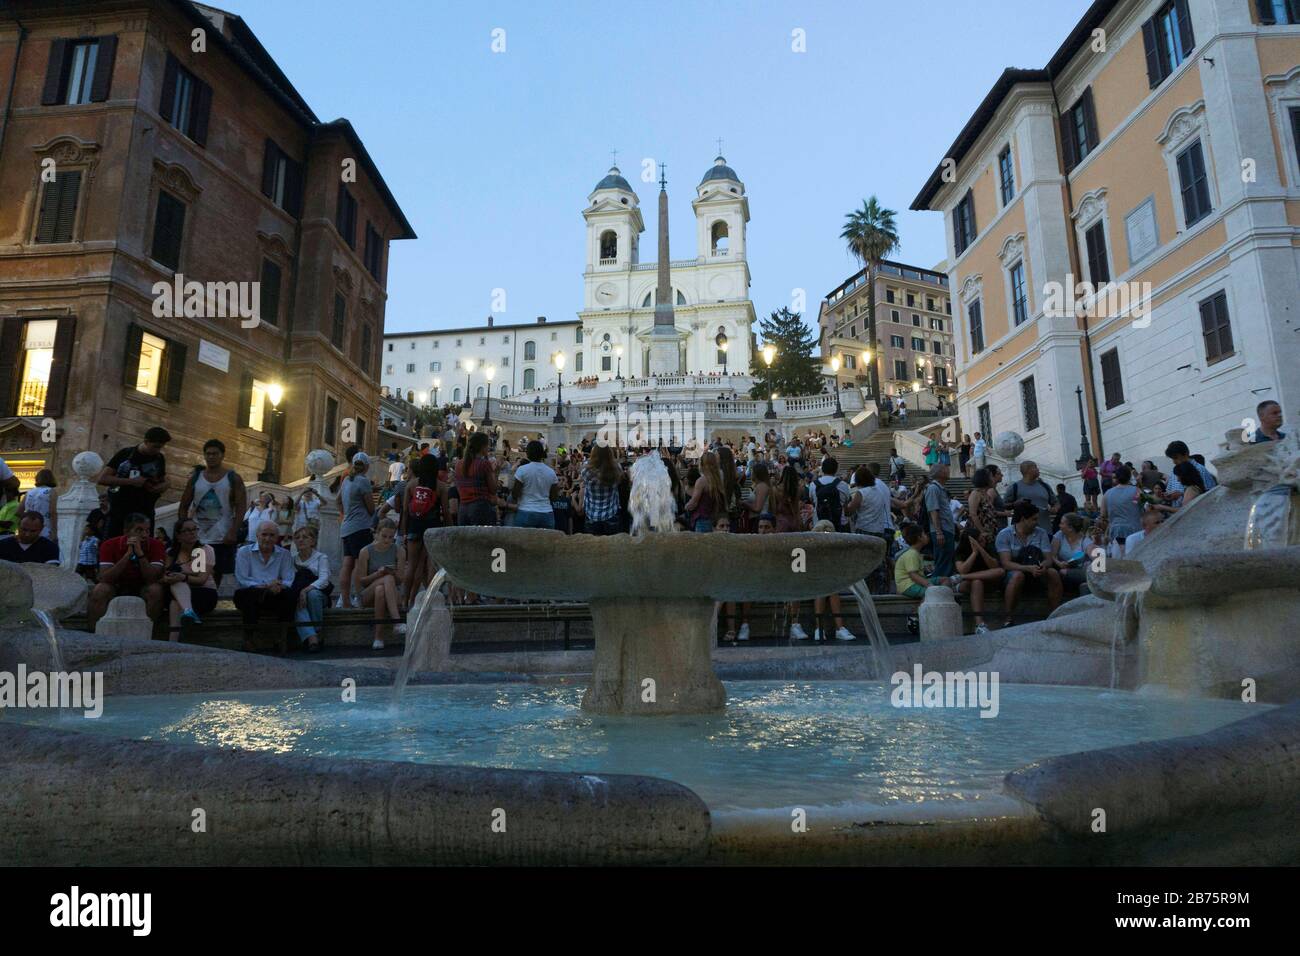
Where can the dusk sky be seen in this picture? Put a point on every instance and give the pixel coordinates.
(492, 155)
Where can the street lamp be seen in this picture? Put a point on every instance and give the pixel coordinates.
(490, 373)
(1085, 452)
(437, 384)
(835, 367)
(769, 355)
(721, 340)
(866, 366)
(274, 393)
(618, 350)
(469, 370)
(558, 359)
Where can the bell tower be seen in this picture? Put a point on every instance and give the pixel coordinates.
(721, 214)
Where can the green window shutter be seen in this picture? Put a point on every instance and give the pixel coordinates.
(57, 388)
(102, 83)
(131, 361)
(175, 371)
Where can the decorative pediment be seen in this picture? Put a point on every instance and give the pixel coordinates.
(68, 151)
(972, 287)
(177, 179)
(343, 280)
(1184, 123)
(1013, 248)
(274, 245)
(1091, 205)
(1285, 83)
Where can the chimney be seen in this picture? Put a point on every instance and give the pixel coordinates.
(541, 320)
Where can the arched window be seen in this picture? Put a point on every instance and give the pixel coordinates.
(652, 298)
(410, 395)
(455, 395)
(530, 351)
(608, 245)
(530, 377)
(478, 392)
(577, 362)
(719, 237)
(504, 391)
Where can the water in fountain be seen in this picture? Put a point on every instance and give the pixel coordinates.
(1270, 519)
(56, 650)
(1123, 602)
(432, 616)
(650, 501)
(882, 656)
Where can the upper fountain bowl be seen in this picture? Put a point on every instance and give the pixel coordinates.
(539, 563)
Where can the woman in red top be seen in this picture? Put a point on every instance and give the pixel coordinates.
(476, 483)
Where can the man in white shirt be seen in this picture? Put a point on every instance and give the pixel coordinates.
(396, 468)
(535, 487)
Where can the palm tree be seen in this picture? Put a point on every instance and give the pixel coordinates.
(871, 236)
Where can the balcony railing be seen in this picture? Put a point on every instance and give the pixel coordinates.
(31, 398)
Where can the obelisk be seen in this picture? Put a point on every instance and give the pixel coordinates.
(665, 356)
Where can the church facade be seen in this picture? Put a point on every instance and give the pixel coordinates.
(709, 292)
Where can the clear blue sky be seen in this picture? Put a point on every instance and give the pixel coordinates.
(492, 155)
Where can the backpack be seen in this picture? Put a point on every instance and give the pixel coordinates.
(423, 501)
(829, 506)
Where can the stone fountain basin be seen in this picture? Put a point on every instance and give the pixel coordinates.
(537, 562)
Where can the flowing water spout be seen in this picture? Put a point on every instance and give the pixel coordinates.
(432, 621)
(1270, 519)
(56, 650)
(882, 656)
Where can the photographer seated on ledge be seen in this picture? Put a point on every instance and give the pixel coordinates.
(1025, 553)
(130, 565)
(264, 572)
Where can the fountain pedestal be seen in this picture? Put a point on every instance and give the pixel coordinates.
(653, 657)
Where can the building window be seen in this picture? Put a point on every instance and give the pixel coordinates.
(900, 370)
(345, 216)
(168, 228)
(976, 319)
(1193, 184)
(410, 368)
(1216, 328)
(269, 305)
(577, 362)
(1094, 241)
(340, 321)
(367, 347)
(947, 306)
(920, 371)
(455, 395)
(578, 340)
(1079, 130)
(331, 421)
(937, 347)
(361, 428)
(1029, 403)
(608, 247)
(986, 421)
(918, 344)
(606, 363)
(281, 179)
(911, 300)
(388, 370)
(374, 251)
(1111, 383)
(929, 304)
(941, 376)
(1168, 41)
(435, 366)
(37, 361)
(530, 351)
(530, 378)
(889, 297)
(896, 341)
(58, 215)
(1273, 12)
(458, 343)
(1006, 176)
(390, 344)
(893, 314)
(186, 101)
(505, 361)
(1019, 305)
(963, 223)
(79, 71)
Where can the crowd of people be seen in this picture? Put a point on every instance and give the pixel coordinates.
(1018, 537)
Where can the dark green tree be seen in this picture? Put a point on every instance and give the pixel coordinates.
(794, 370)
(871, 235)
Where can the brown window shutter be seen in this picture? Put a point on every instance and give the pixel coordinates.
(57, 389)
(131, 361)
(168, 88)
(52, 93)
(1069, 150)
(1265, 8)
(1152, 52)
(269, 155)
(293, 189)
(11, 355)
(245, 400)
(970, 207)
(1090, 120)
(102, 84)
(175, 371)
(202, 108)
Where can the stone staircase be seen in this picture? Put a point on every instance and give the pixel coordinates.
(876, 448)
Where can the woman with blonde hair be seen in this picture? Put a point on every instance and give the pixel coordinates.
(709, 496)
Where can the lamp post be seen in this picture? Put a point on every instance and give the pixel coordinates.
(721, 340)
(769, 355)
(274, 393)
(835, 367)
(1085, 452)
(469, 370)
(866, 364)
(558, 359)
(489, 371)
(618, 351)
(437, 384)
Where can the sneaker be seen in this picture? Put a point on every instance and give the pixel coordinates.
(191, 617)
(844, 634)
(954, 581)
(729, 637)
(744, 633)
(378, 645)
(399, 629)
(818, 635)
(981, 628)
(797, 633)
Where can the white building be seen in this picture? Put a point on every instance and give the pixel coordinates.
(710, 291)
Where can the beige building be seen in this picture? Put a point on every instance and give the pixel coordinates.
(913, 345)
(1156, 158)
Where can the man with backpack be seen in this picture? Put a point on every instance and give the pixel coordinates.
(1032, 488)
(832, 496)
(938, 522)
